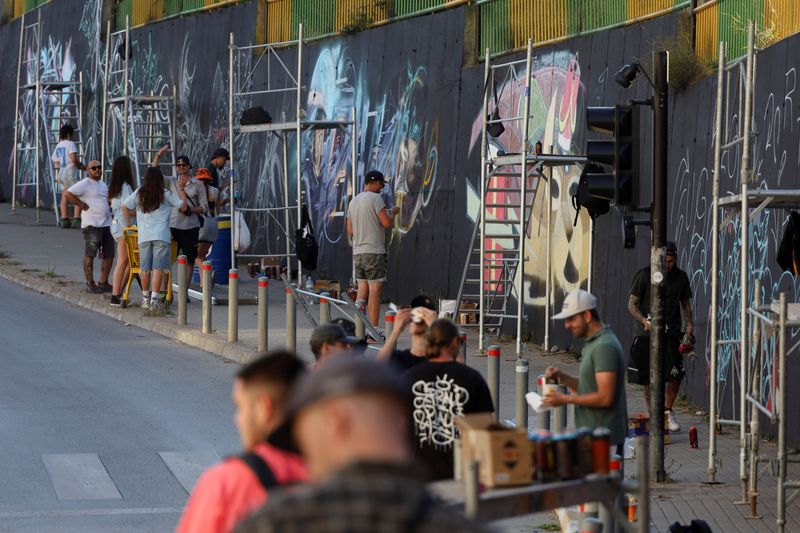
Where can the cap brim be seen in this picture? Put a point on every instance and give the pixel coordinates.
(566, 314)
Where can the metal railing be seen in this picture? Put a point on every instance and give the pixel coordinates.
(12, 9)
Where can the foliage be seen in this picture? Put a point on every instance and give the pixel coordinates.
(685, 67)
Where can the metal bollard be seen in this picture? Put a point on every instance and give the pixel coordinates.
(521, 372)
(206, 273)
(291, 321)
(463, 340)
(182, 287)
(543, 418)
(263, 306)
(471, 489)
(324, 308)
(389, 319)
(591, 525)
(559, 417)
(457, 466)
(360, 328)
(493, 377)
(233, 305)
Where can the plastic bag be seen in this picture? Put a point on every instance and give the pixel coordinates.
(241, 237)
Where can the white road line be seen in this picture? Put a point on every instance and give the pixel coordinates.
(80, 476)
(11, 515)
(187, 466)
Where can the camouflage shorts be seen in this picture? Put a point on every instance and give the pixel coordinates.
(370, 267)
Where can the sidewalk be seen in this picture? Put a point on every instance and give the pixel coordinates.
(48, 260)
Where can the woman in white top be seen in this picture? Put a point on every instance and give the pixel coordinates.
(119, 189)
(153, 203)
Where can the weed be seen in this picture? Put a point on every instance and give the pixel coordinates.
(30, 270)
(360, 21)
(4, 255)
(549, 526)
(13, 263)
(685, 67)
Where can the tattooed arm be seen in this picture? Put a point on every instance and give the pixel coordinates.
(633, 309)
(686, 316)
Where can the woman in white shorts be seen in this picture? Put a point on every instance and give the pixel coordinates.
(119, 189)
(153, 203)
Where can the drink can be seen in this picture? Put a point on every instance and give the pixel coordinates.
(633, 509)
(693, 437)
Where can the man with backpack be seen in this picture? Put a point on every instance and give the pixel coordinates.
(231, 490)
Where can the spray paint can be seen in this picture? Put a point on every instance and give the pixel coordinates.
(693, 443)
(633, 509)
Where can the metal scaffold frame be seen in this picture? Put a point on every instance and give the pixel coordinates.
(241, 72)
(752, 336)
(523, 165)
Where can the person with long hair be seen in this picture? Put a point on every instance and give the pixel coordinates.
(119, 189)
(153, 203)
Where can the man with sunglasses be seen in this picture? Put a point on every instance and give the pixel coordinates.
(91, 195)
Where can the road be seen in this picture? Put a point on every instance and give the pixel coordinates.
(103, 427)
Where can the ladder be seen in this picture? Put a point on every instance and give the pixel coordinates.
(61, 103)
(142, 124)
(25, 168)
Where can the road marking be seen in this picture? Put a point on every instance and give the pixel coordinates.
(187, 466)
(80, 476)
(11, 515)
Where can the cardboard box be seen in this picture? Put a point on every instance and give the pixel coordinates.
(326, 285)
(467, 317)
(503, 453)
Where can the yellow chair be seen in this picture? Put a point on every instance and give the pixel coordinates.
(131, 234)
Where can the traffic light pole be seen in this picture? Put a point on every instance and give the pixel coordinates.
(657, 264)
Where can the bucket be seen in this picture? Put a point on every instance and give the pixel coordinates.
(220, 254)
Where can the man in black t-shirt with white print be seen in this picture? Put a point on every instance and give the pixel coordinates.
(443, 389)
(417, 317)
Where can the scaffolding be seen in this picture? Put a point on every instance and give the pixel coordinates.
(146, 122)
(493, 271)
(54, 102)
(278, 78)
(762, 328)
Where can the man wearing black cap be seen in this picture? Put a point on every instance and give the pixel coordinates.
(330, 340)
(677, 313)
(350, 422)
(418, 317)
(216, 163)
(367, 222)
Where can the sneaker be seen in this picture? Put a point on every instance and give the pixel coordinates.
(64, 224)
(672, 422)
(156, 309)
(75, 223)
(106, 287)
(93, 288)
(115, 301)
(145, 304)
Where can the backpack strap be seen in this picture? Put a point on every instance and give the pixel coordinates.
(260, 468)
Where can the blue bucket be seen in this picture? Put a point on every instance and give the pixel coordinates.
(220, 254)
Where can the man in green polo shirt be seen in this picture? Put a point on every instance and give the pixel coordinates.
(600, 386)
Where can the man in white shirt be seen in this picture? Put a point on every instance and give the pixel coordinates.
(91, 195)
(68, 167)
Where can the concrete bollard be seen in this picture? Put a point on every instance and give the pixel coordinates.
(182, 289)
(542, 419)
(206, 273)
(360, 328)
(493, 377)
(591, 525)
(263, 306)
(463, 340)
(324, 308)
(389, 324)
(233, 305)
(457, 475)
(291, 321)
(521, 372)
(471, 490)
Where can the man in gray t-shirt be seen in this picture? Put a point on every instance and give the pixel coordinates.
(367, 222)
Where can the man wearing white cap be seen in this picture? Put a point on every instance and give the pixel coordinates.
(600, 385)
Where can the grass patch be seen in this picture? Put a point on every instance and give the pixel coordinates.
(52, 275)
(13, 263)
(685, 68)
(4, 255)
(549, 526)
(31, 270)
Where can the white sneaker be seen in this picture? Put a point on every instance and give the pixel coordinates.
(672, 422)
(145, 303)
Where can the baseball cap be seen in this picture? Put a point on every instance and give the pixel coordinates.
(330, 334)
(671, 248)
(576, 302)
(423, 301)
(338, 377)
(221, 152)
(183, 159)
(373, 176)
(202, 174)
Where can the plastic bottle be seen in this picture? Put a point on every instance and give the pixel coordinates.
(310, 300)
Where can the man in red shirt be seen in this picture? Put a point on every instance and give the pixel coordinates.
(234, 488)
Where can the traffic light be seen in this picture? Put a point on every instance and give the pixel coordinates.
(621, 153)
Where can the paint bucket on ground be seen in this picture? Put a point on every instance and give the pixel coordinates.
(220, 254)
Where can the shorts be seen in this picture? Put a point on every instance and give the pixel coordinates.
(370, 267)
(117, 228)
(98, 239)
(209, 231)
(66, 177)
(187, 242)
(639, 364)
(154, 255)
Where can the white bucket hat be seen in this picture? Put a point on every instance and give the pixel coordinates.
(576, 302)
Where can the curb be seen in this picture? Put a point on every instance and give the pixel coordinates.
(186, 335)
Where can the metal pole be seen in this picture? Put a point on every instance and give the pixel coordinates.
(471, 487)
(183, 285)
(644, 484)
(781, 410)
(325, 309)
(233, 305)
(487, 81)
(542, 417)
(126, 103)
(104, 113)
(286, 208)
(523, 198)
(744, 214)
(263, 307)
(521, 372)
(712, 403)
(354, 171)
(493, 377)
(291, 321)
(389, 323)
(231, 191)
(38, 95)
(16, 115)
(657, 255)
(299, 145)
(755, 335)
(206, 273)
(548, 266)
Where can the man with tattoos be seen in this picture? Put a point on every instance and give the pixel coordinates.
(679, 331)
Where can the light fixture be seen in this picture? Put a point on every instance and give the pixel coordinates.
(625, 76)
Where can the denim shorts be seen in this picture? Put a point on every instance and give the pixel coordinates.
(154, 255)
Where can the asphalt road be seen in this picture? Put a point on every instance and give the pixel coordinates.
(103, 427)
